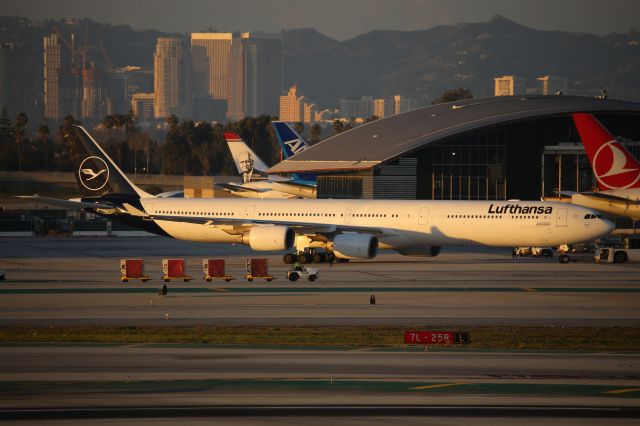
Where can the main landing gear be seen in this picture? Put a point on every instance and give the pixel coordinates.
(311, 256)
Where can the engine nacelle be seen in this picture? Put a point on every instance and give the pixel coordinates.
(420, 251)
(352, 245)
(269, 238)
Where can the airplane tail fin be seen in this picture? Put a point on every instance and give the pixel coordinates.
(290, 141)
(247, 162)
(613, 165)
(97, 174)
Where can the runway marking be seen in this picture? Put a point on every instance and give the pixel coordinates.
(619, 391)
(438, 386)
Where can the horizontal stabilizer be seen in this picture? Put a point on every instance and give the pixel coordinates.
(68, 204)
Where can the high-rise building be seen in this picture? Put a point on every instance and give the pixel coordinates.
(172, 78)
(357, 108)
(119, 99)
(94, 94)
(509, 85)
(309, 115)
(210, 53)
(550, 85)
(292, 106)
(401, 104)
(142, 106)
(255, 75)
(20, 81)
(52, 65)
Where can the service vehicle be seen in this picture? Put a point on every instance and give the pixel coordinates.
(616, 255)
(302, 272)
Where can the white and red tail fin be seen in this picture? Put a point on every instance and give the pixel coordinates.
(245, 159)
(613, 166)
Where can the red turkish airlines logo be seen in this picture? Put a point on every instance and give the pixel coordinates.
(614, 167)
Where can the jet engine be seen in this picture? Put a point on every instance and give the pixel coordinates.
(352, 245)
(420, 251)
(267, 238)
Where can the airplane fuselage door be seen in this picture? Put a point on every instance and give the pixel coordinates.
(423, 216)
(249, 212)
(561, 217)
(347, 216)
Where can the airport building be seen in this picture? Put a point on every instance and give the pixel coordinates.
(508, 147)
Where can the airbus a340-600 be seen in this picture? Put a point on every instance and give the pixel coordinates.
(617, 172)
(345, 228)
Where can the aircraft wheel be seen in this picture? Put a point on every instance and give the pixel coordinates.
(305, 258)
(319, 258)
(289, 258)
(620, 257)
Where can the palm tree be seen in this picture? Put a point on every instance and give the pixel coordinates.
(43, 134)
(315, 132)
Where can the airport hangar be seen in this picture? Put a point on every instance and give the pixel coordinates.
(511, 147)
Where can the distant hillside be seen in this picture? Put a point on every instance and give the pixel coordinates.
(423, 64)
(417, 64)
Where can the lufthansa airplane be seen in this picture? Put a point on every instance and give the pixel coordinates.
(345, 228)
(617, 172)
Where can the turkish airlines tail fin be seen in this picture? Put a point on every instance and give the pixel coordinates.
(613, 165)
(97, 174)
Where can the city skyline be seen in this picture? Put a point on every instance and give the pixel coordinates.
(337, 19)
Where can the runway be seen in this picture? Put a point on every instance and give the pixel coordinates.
(76, 282)
(199, 382)
(54, 282)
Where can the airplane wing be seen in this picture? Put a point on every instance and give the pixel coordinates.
(239, 188)
(608, 198)
(69, 204)
(238, 225)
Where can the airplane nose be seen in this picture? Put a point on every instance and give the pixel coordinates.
(607, 226)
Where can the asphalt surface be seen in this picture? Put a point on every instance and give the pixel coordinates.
(76, 282)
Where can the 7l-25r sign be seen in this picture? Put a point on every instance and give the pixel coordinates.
(435, 337)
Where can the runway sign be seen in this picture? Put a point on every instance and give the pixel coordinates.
(434, 337)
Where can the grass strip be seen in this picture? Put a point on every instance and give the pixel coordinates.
(545, 338)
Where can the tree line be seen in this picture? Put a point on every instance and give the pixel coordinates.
(189, 147)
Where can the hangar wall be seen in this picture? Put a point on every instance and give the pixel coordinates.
(503, 161)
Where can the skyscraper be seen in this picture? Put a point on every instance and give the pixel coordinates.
(550, 85)
(142, 106)
(255, 76)
(210, 61)
(292, 106)
(52, 64)
(172, 78)
(509, 85)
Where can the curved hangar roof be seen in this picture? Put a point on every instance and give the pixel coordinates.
(373, 143)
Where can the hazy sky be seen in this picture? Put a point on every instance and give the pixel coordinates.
(341, 19)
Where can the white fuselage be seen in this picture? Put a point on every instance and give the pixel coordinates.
(405, 223)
